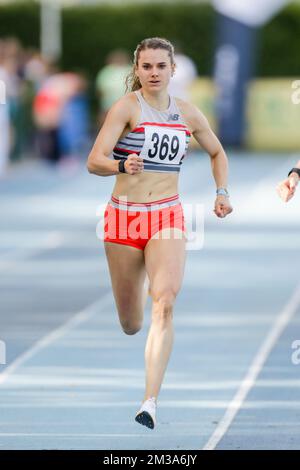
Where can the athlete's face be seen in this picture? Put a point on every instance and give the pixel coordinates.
(154, 69)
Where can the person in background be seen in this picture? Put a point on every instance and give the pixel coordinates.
(184, 75)
(4, 116)
(73, 132)
(11, 75)
(110, 81)
(60, 114)
(36, 68)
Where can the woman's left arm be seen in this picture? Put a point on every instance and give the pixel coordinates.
(287, 188)
(219, 162)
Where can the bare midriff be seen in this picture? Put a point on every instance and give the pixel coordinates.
(146, 186)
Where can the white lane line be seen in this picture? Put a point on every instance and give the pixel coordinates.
(91, 402)
(10, 239)
(71, 435)
(78, 318)
(52, 240)
(26, 380)
(256, 366)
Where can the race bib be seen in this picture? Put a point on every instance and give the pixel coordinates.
(163, 145)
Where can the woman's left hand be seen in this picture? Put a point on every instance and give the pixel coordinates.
(286, 189)
(222, 206)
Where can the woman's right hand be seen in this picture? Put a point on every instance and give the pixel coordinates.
(134, 164)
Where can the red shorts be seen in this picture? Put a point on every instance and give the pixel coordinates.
(133, 224)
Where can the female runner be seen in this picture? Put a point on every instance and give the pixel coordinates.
(143, 141)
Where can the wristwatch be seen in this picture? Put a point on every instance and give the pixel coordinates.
(295, 170)
(222, 192)
(122, 166)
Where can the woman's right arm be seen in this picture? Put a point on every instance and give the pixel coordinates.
(116, 120)
(113, 126)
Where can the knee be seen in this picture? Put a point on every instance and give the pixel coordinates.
(163, 303)
(131, 328)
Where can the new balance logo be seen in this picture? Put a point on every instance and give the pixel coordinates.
(173, 117)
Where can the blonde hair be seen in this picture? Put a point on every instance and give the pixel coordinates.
(132, 82)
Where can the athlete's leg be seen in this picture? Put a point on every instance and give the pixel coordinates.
(164, 261)
(127, 272)
(146, 291)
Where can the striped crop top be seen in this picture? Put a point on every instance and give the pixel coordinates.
(161, 138)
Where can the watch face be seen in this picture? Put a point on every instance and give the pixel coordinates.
(222, 192)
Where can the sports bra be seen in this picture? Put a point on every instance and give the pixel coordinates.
(161, 138)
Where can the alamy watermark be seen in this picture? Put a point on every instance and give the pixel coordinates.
(2, 352)
(137, 226)
(295, 358)
(2, 92)
(296, 94)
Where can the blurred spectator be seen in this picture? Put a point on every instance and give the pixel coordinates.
(61, 116)
(110, 81)
(38, 96)
(74, 123)
(36, 68)
(4, 116)
(185, 74)
(11, 74)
